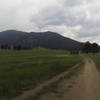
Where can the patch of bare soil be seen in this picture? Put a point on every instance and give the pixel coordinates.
(84, 86)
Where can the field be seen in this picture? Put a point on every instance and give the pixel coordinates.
(96, 59)
(22, 70)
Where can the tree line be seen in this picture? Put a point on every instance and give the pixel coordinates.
(90, 47)
(17, 47)
(86, 48)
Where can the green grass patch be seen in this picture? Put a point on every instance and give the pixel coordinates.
(53, 86)
(96, 59)
(21, 70)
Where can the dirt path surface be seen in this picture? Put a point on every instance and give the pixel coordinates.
(33, 92)
(84, 86)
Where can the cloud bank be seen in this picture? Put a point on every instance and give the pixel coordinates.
(78, 19)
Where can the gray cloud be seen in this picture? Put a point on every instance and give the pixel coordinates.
(79, 19)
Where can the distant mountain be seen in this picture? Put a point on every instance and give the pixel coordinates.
(48, 39)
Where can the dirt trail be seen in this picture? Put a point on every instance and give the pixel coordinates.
(33, 92)
(84, 86)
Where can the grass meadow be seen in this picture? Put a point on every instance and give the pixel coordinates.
(96, 59)
(22, 70)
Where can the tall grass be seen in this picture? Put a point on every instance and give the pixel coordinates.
(20, 70)
(96, 59)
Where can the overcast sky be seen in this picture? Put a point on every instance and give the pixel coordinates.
(77, 19)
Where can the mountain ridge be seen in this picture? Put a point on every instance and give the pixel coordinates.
(47, 39)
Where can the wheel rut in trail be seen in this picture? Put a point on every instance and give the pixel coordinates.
(86, 86)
